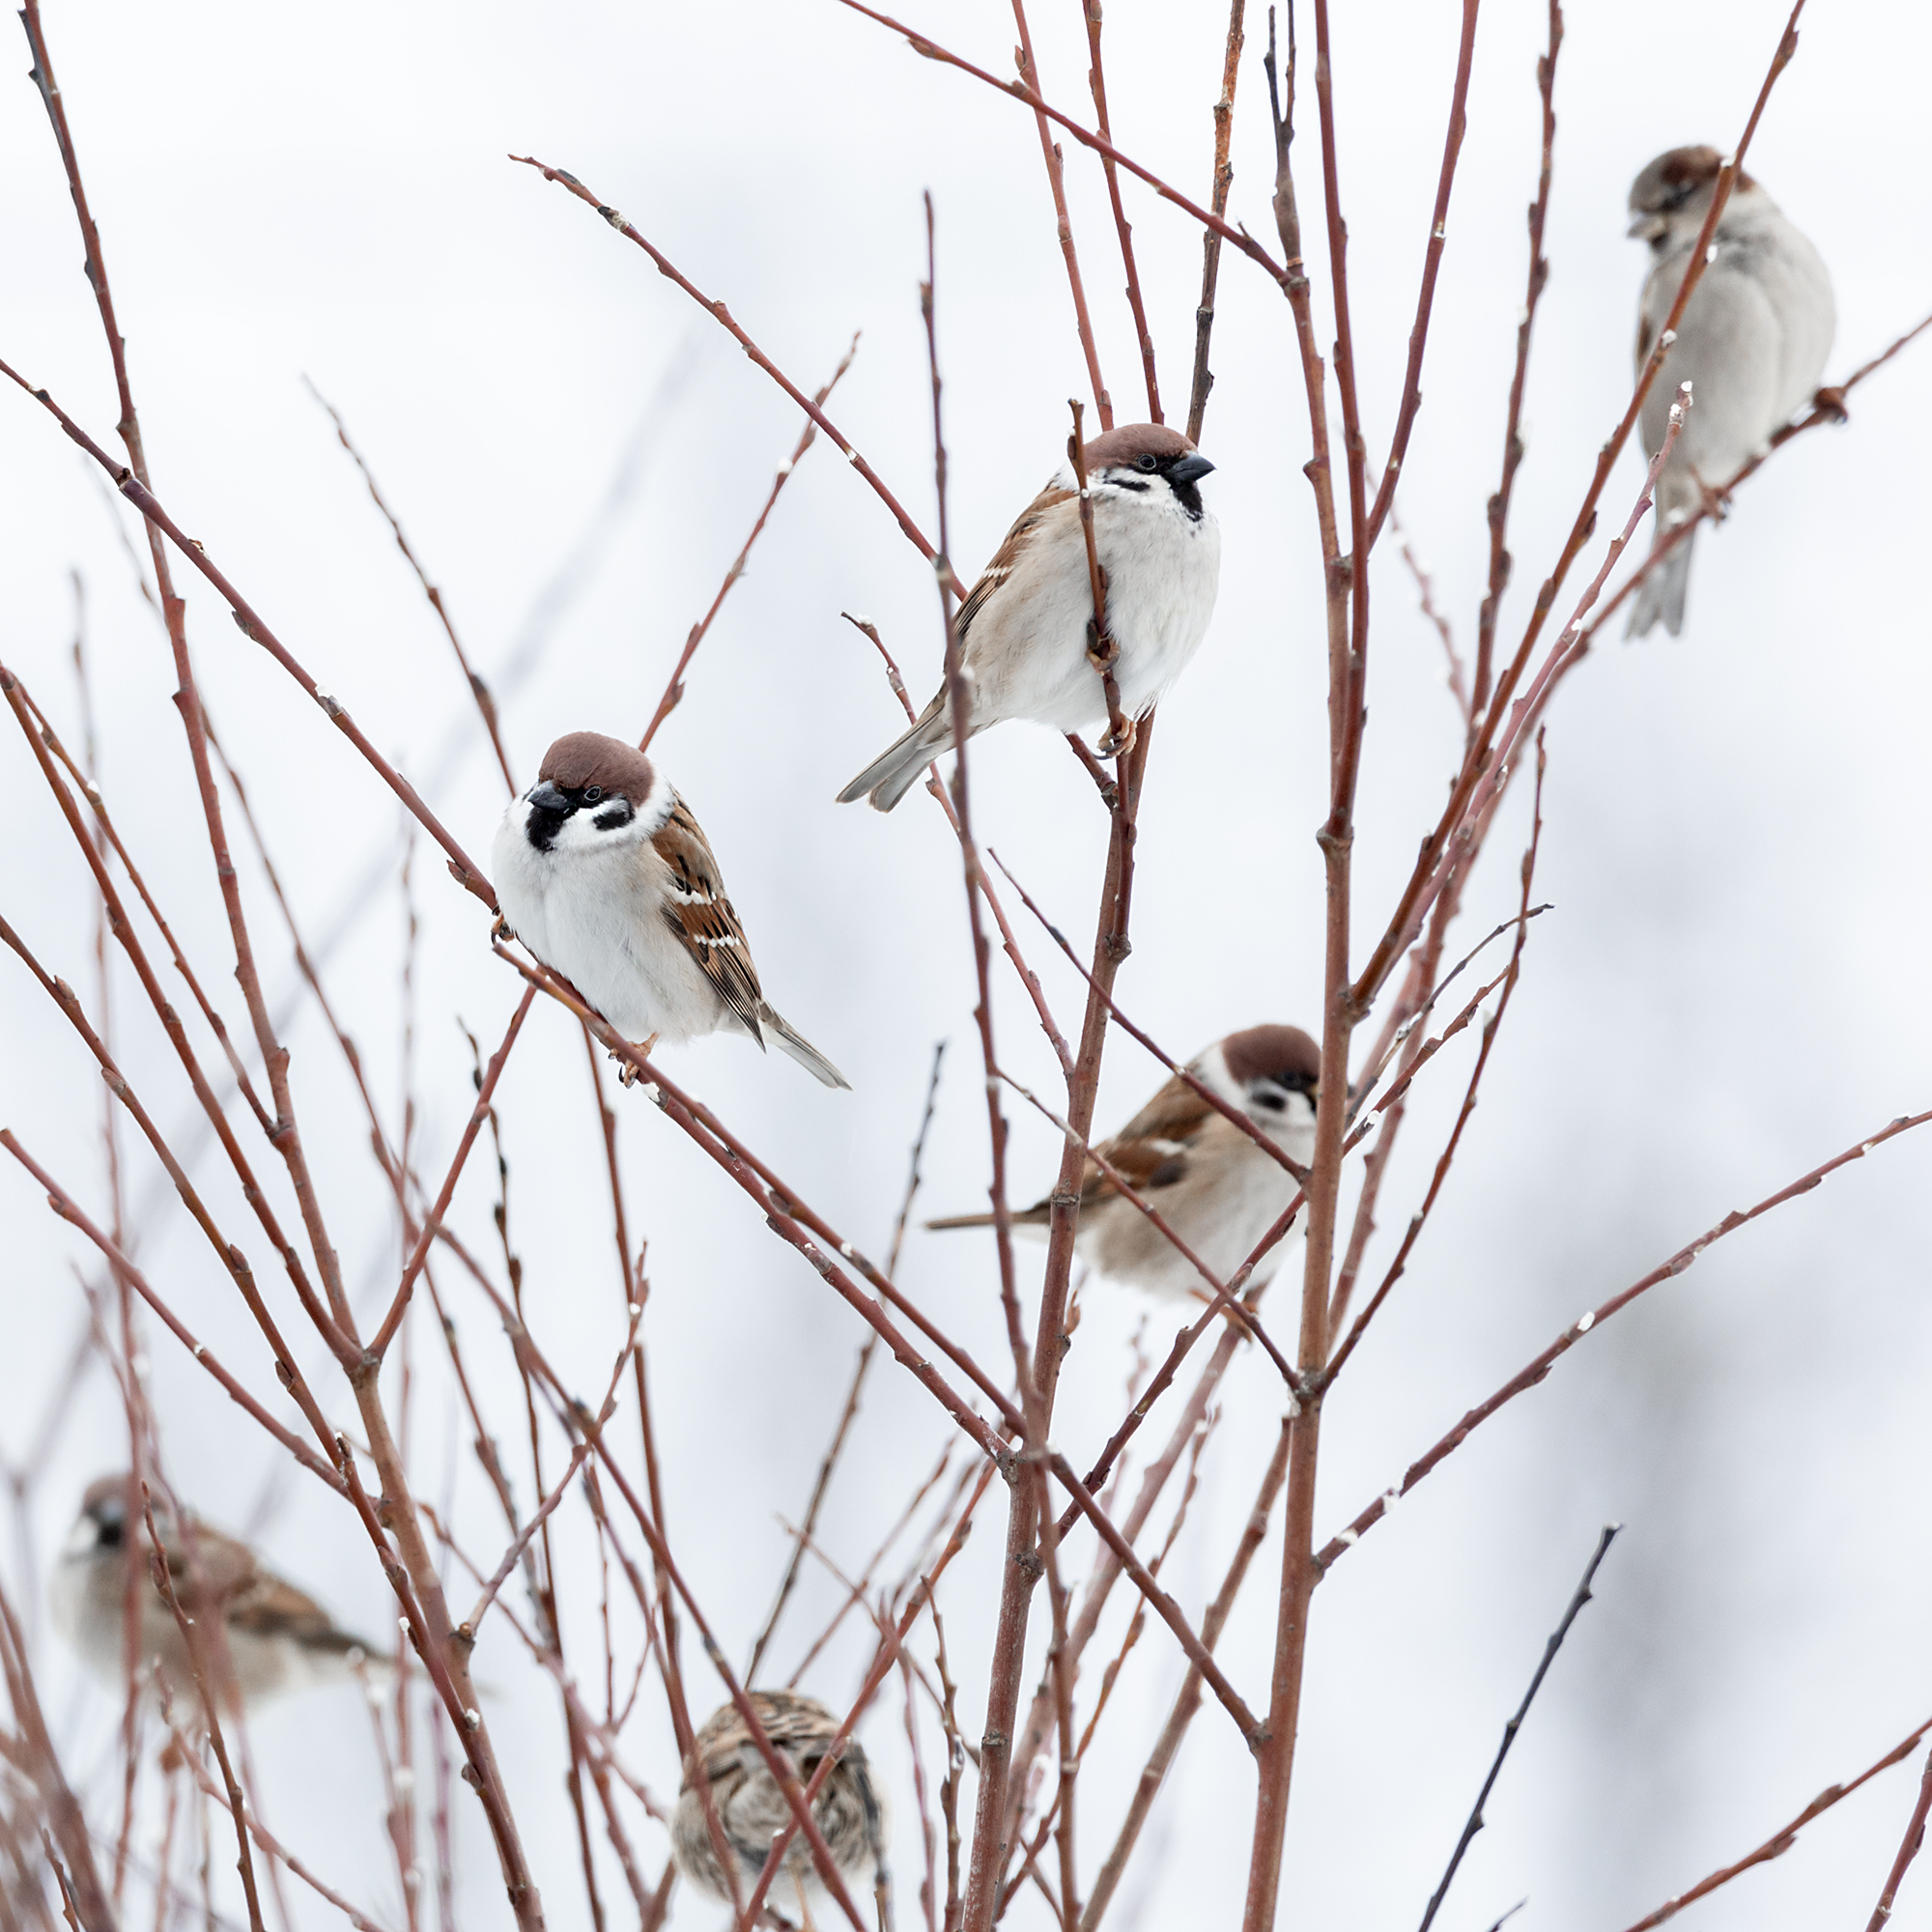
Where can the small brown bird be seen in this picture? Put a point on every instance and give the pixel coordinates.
(1752, 343)
(604, 874)
(850, 1807)
(1211, 1184)
(276, 1638)
(1023, 626)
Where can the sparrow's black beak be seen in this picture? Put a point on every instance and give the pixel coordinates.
(546, 798)
(1189, 470)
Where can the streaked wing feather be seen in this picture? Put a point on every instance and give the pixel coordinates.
(1008, 555)
(701, 916)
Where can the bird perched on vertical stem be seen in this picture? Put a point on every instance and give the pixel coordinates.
(274, 1639)
(849, 1811)
(1751, 343)
(1024, 626)
(1210, 1183)
(604, 874)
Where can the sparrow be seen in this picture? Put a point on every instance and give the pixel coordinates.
(1024, 627)
(276, 1638)
(850, 1807)
(604, 874)
(1752, 341)
(1212, 1185)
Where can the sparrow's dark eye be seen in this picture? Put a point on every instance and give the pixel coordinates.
(109, 1536)
(1149, 462)
(592, 793)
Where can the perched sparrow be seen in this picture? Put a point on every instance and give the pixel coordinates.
(276, 1638)
(1212, 1185)
(603, 873)
(1752, 343)
(1023, 628)
(850, 1807)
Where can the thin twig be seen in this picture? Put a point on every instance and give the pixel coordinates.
(1515, 1724)
(486, 705)
(673, 691)
(1535, 1371)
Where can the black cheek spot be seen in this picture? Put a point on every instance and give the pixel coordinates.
(612, 817)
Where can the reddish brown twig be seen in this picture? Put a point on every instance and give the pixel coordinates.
(931, 50)
(673, 691)
(36, 1759)
(379, 1342)
(1425, 302)
(158, 1568)
(1908, 1850)
(1539, 275)
(850, 1411)
(1539, 1367)
(486, 705)
(1096, 80)
(669, 272)
(1430, 873)
(467, 873)
(1785, 1836)
(1211, 242)
(1345, 1281)
(1056, 175)
(1103, 651)
(1188, 1702)
(64, 1206)
(960, 703)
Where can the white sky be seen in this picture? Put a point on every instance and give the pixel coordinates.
(1728, 992)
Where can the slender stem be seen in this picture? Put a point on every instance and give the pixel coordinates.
(1056, 175)
(1096, 80)
(1515, 1724)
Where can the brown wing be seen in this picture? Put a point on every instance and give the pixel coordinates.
(701, 916)
(266, 1606)
(1009, 553)
(1152, 1150)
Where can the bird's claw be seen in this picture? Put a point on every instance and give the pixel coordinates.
(502, 931)
(1111, 747)
(627, 1070)
(1831, 401)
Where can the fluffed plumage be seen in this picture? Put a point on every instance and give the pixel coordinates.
(1752, 341)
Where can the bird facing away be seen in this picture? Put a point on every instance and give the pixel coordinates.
(276, 1638)
(604, 874)
(1023, 627)
(849, 1809)
(1752, 341)
(1211, 1184)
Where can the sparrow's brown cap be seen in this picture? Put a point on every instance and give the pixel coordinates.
(1124, 447)
(1662, 182)
(1281, 1053)
(583, 759)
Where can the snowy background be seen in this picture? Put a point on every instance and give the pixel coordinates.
(1730, 988)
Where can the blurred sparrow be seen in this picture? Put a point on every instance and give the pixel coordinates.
(1752, 341)
(1023, 628)
(604, 874)
(276, 1638)
(849, 1808)
(1212, 1185)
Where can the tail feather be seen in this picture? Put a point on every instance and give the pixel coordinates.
(790, 1040)
(1660, 595)
(1025, 1217)
(895, 771)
